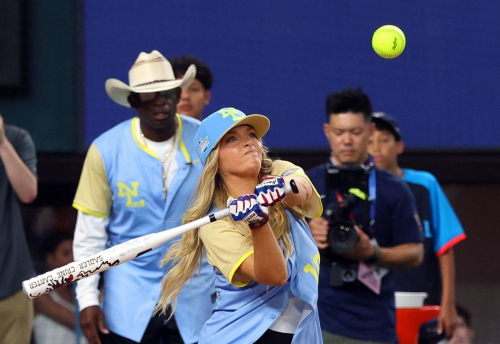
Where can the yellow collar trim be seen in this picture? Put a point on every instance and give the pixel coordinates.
(139, 142)
(150, 151)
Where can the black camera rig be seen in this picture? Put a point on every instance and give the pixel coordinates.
(346, 185)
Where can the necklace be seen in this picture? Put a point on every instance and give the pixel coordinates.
(166, 162)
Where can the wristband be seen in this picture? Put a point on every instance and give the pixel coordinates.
(257, 224)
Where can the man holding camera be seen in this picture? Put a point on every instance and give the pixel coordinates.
(369, 227)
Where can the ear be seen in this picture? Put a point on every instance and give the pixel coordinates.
(208, 96)
(326, 130)
(372, 129)
(400, 147)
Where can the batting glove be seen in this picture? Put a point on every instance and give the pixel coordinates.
(246, 208)
(270, 191)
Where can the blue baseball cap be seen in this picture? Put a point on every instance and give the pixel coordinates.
(215, 126)
(389, 122)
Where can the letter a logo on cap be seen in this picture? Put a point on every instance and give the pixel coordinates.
(236, 115)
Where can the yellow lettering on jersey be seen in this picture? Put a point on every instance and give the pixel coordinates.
(311, 269)
(235, 115)
(125, 191)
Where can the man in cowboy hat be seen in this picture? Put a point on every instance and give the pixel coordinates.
(137, 179)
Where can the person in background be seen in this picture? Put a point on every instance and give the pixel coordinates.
(356, 285)
(442, 229)
(138, 179)
(55, 312)
(196, 96)
(18, 184)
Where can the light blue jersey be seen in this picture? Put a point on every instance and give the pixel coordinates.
(138, 207)
(243, 314)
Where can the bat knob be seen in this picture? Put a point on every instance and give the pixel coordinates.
(25, 290)
(294, 187)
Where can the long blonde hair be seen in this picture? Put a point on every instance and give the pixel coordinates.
(185, 256)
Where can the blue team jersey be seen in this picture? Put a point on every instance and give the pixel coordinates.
(353, 310)
(243, 314)
(135, 177)
(442, 230)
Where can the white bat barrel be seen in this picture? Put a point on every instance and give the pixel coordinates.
(106, 259)
(91, 265)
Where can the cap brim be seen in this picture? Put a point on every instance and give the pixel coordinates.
(260, 123)
(388, 124)
(118, 91)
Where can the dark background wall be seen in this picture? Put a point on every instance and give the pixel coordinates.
(49, 106)
(281, 59)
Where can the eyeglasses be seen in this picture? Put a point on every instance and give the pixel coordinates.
(149, 97)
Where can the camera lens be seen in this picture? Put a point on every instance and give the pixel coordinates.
(342, 236)
(341, 233)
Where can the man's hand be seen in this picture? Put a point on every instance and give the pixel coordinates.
(361, 252)
(447, 320)
(22, 179)
(2, 131)
(363, 249)
(92, 321)
(319, 230)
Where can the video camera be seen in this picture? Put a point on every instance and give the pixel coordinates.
(350, 182)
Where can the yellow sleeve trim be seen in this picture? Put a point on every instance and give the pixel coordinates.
(94, 193)
(88, 211)
(320, 210)
(236, 266)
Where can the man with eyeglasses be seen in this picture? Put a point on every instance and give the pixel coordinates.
(137, 179)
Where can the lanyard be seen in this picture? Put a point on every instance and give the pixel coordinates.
(372, 193)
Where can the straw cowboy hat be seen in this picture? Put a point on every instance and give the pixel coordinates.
(150, 73)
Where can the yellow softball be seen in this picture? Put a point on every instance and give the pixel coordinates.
(388, 41)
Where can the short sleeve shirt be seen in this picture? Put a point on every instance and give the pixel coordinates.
(15, 259)
(442, 231)
(93, 195)
(228, 243)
